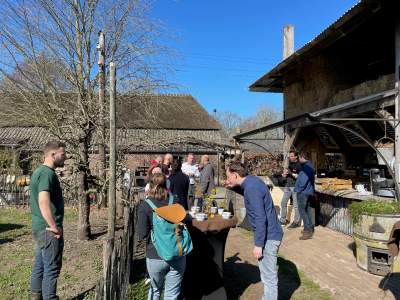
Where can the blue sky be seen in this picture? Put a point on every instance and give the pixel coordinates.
(225, 45)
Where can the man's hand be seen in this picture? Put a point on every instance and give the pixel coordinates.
(257, 252)
(56, 230)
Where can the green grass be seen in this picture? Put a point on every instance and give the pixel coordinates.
(138, 290)
(18, 254)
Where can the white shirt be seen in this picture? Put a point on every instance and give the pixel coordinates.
(190, 170)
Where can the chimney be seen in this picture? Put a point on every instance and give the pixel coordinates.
(288, 41)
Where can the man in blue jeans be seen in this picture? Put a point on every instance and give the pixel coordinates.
(47, 207)
(305, 188)
(262, 216)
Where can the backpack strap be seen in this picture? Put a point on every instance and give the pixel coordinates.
(150, 203)
(171, 199)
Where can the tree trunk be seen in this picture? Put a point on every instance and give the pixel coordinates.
(84, 202)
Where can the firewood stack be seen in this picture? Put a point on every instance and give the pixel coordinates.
(263, 163)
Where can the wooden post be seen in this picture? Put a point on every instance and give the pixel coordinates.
(113, 140)
(101, 146)
(288, 49)
(397, 99)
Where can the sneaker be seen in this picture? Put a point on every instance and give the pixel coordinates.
(307, 235)
(293, 225)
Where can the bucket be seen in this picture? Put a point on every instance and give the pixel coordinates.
(385, 148)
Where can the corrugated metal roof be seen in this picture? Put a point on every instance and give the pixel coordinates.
(272, 81)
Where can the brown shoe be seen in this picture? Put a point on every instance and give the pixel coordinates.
(312, 230)
(36, 296)
(307, 234)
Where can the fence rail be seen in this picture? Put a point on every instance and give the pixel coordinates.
(334, 213)
(13, 188)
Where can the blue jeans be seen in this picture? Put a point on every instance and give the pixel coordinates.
(289, 191)
(268, 266)
(47, 265)
(305, 210)
(168, 272)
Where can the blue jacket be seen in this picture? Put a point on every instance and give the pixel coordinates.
(305, 180)
(260, 210)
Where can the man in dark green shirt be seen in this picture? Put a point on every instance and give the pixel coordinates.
(47, 207)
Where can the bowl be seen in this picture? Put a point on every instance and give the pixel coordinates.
(226, 215)
(195, 209)
(213, 209)
(201, 217)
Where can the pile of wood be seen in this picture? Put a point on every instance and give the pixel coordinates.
(335, 184)
(263, 164)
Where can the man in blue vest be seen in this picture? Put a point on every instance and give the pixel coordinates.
(304, 188)
(261, 213)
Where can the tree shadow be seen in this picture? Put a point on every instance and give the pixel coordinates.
(239, 276)
(4, 241)
(8, 226)
(84, 295)
(391, 282)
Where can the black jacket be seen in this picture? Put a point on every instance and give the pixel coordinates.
(179, 187)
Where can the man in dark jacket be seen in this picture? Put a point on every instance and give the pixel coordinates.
(179, 184)
(304, 188)
(262, 216)
(290, 175)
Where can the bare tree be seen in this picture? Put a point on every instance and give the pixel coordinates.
(229, 121)
(48, 64)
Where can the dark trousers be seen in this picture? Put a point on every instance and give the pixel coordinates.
(305, 211)
(47, 265)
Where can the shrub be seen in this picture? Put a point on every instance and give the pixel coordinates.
(370, 207)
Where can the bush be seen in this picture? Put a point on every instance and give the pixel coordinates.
(370, 207)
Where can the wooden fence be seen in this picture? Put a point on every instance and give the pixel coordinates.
(118, 258)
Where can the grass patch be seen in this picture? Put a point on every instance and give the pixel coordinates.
(17, 252)
(138, 290)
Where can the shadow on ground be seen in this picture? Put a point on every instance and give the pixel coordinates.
(7, 227)
(352, 247)
(239, 275)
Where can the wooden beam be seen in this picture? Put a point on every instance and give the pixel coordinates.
(397, 97)
(290, 138)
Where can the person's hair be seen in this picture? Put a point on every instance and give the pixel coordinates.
(150, 171)
(176, 166)
(190, 154)
(158, 187)
(305, 154)
(237, 167)
(204, 158)
(53, 146)
(294, 152)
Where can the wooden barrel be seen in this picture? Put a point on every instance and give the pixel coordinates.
(371, 235)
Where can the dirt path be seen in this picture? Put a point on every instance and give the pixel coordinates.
(242, 277)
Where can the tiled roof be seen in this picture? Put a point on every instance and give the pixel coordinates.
(131, 140)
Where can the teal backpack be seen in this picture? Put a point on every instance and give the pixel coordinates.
(170, 240)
